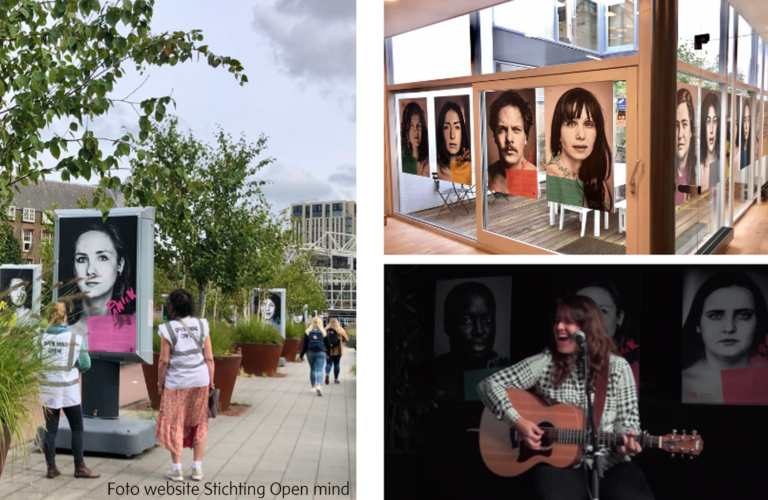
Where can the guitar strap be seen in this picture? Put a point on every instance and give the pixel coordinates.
(601, 388)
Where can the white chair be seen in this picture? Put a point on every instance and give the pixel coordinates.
(583, 213)
(622, 208)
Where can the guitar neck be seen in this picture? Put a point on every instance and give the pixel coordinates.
(579, 436)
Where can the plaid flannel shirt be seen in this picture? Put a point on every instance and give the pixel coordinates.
(621, 411)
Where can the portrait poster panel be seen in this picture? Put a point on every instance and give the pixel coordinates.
(414, 144)
(745, 132)
(580, 170)
(272, 308)
(685, 140)
(511, 139)
(97, 265)
(472, 324)
(617, 295)
(710, 150)
(16, 286)
(725, 349)
(453, 138)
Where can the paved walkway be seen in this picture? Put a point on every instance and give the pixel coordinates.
(288, 442)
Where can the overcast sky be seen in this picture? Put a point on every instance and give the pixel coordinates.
(299, 56)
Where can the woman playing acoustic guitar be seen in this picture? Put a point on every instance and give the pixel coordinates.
(557, 375)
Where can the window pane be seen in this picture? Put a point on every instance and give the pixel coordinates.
(698, 17)
(530, 17)
(438, 51)
(620, 15)
(584, 27)
(745, 51)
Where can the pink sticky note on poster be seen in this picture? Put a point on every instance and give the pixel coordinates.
(112, 333)
(523, 183)
(747, 386)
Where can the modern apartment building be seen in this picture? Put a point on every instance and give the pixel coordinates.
(313, 221)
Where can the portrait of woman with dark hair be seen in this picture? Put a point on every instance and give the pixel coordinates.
(606, 295)
(685, 157)
(746, 137)
(453, 139)
(580, 170)
(709, 150)
(727, 322)
(271, 309)
(97, 267)
(413, 139)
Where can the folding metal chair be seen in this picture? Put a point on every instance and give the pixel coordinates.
(445, 194)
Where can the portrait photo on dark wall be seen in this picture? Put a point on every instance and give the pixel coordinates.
(453, 139)
(414, 146)
(617, 295)
(709, 142)
(511, 142)
(725, 343)
(97, 268)
(745, 132)
(579, 142)
(16, 289)
(472, 325)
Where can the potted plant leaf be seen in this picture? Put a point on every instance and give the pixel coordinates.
(150, 371)
(21, 363)
(260, 343)
(294, 335)
(227, 364)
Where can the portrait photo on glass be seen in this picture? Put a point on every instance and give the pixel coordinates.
(16, 290)
(685, 145)
(725, 349)
(96, 265)
(453, 139)
(745, 133)
(579, 141)
(414, 145)
(511, 142)
(472, 324)
(709, 142)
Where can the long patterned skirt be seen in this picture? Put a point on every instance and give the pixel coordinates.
(182, 420)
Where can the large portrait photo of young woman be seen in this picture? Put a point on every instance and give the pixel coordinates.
(709, 142)
(414, 145)
(97, 270)
(579, 144)
(725, 355)
(16, 290)
(453, 138)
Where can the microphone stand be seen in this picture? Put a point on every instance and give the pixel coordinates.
(592, 453)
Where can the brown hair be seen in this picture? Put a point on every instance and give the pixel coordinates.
(584, 312)
(58, 314)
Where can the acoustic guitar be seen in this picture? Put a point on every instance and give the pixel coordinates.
(505, 454)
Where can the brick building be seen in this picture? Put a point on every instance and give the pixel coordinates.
(32, 205)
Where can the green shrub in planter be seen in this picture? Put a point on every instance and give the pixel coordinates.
(256, 331)
(221, 338)
(294, 330)
(22, 360)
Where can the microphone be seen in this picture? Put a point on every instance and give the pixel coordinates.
(579, 338)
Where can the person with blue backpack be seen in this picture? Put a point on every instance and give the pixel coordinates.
(315, 346)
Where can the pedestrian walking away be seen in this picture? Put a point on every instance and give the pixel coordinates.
(61, 389)
(315, 346)
(336, 338)
(185, 377)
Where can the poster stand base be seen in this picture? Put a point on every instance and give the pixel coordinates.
(117, 436)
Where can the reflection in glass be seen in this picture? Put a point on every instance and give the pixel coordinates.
(621, 22)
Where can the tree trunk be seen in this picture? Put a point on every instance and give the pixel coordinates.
(201, 301)
(215, 304)
(246, 312)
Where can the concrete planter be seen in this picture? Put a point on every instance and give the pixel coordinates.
(291, 348)
(225, 373)
(259, 359)
(150, 379)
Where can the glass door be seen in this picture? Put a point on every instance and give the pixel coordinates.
(554, 153)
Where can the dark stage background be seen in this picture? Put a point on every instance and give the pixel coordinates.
(445, 461)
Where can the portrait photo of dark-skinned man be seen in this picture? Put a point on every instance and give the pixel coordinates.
(466, 323)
